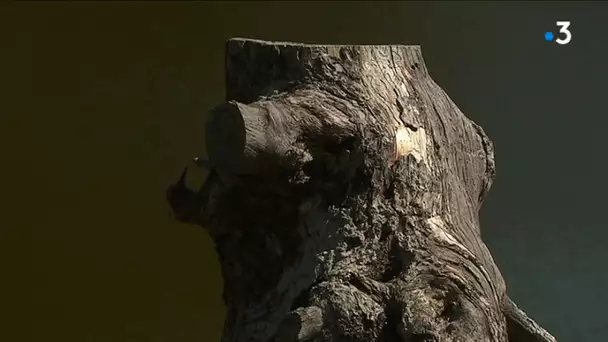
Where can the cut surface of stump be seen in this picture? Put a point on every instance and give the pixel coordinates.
(343, 199)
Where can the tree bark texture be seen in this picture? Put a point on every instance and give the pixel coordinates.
(343, 199)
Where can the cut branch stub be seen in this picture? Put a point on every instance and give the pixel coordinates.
(343, 199)
(260, 138)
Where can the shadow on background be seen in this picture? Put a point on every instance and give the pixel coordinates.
(115, 96)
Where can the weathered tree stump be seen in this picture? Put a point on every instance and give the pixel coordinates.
(343, 199)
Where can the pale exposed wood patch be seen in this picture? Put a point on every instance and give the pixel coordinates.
(411, 142)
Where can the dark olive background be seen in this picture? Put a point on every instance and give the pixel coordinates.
(111, 106)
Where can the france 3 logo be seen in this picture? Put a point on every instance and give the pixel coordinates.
(564, 35)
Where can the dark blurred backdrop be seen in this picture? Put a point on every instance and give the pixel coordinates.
(111, 105)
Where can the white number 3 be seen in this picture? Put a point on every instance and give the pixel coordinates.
(564, 30)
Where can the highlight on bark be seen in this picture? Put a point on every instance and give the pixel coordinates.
(343, 196)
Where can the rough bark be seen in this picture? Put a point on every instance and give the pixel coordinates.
(343, 199)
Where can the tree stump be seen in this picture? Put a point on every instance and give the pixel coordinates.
(343, 199)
